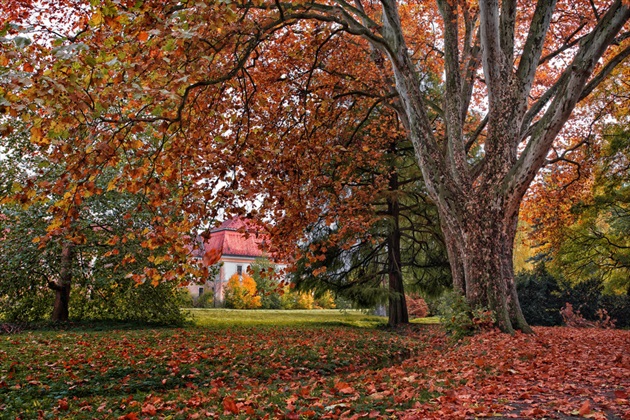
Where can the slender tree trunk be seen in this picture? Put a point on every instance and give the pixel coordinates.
(397, 304)
(62, 288)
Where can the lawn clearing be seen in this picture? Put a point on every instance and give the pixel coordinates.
(310, 371)
(321, 317)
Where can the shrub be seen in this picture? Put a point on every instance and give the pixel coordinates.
(263, 272)
(539, 296)
(416, 306)
(325, 301)
(185, 299)
(576, 320)
(292, 299)
(240, 293)
(460, 320)
(618, 307)
(128, 301)
(205, 300)
(584, 296)
(583, 304)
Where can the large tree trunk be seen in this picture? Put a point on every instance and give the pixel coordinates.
(480, 196)
(397, 304)
(486, 257)
(62, 287)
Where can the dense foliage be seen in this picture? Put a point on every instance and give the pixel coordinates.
(240, 293)
(100, 288)
(543, 295)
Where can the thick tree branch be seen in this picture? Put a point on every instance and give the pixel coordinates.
(569, 42)
(568, 94)
(508, 20)
(493, 59)
(534, 45)
(452, 98)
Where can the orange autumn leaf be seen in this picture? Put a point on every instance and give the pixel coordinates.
(585, 408)
(149, 409)
(63, 405)
(230, 405)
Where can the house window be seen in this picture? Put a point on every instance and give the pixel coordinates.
(239, 270)
(200, 291)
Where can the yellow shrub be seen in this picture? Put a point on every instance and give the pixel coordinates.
(240, 293)
(296, 300)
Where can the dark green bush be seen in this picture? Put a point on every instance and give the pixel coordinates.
(584, 296)
(539, 295)
(126, 301)
(542, 296)
(618, 308)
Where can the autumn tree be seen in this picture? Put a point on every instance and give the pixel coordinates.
(87, 269)
(513, 72)
(402, 248)
(577, 211)
(267, 284)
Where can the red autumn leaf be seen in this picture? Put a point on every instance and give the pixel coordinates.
(63, 405)
(344, 388)
(585, 408)
(230, 405)
(620, 394)
(149, 409)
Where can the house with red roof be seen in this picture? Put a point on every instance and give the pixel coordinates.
(236, 243)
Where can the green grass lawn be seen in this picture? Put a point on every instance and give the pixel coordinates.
(309, 364)
(227, 362)
(321, 318)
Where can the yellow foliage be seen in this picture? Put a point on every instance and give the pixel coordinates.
(292, 299)
(240, 293)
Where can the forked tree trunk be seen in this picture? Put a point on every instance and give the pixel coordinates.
(62, 287)
(480, 200)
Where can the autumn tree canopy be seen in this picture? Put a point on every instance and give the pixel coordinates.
(236, 102)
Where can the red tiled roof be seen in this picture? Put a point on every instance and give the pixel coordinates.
(237, 237)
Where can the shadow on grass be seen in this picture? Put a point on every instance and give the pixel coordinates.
(9, 328)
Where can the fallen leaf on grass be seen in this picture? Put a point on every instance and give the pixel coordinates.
(149, 409)
(63, 405)
(230, 405)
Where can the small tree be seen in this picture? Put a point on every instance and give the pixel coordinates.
(240, 293)
(262, 271)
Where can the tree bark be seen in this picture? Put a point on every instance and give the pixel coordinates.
(454, 258)
(62, 287)
(397, 304)
(486, 256)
